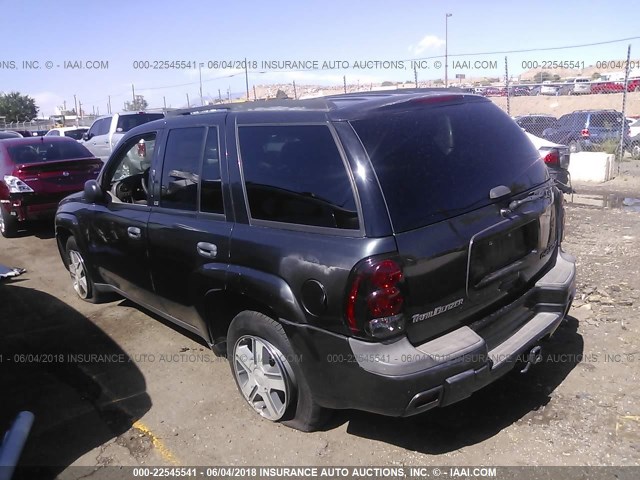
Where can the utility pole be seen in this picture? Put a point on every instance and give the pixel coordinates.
(415, 75)
(255, 97)
(109, 104)
(446, 49)
(246, 77)
(164, 101)
(188, 103)
(295, 91)
(219, 96)
(200, 73)
(344, 81)
(133, 94)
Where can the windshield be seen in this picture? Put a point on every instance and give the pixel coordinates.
(127, 122)
(436, 162)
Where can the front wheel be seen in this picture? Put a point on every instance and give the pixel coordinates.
(80, 276)
(8, 224)
(268, 374)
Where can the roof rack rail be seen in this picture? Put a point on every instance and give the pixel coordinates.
(190, 110)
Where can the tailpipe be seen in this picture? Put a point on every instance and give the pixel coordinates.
(535, 356)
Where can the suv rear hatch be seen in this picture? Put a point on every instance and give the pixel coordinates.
(470, 203)
(604, 126)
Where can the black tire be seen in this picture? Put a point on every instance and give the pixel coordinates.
(82, 281)
(300, 411)
(8, 224)
(574, 147)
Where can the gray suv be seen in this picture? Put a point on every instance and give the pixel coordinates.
(106, 132)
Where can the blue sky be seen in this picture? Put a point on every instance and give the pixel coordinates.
(120, 32)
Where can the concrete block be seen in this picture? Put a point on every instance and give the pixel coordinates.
(592, 167)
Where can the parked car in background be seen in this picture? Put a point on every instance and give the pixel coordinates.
(536, 123)
(634, 147)
(607, 87)
(492, 92)
(634, 127)
(547, 88)
(557, 158)
(588, 129)
(106, 131)
(73, 132)
(36, 173)
(9, 134)
(371, 251)
(581, 86)
(535, 90)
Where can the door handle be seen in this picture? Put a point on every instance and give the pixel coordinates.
(134, 232)
(207, 250)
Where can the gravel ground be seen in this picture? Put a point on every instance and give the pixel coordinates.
(581, 406)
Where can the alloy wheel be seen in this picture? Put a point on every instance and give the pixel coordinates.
(78, 273)
(261, 376)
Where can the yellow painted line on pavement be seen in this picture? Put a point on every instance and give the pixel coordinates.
(157, 443)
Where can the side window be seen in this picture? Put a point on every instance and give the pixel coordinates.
(53, 133)
(295, 174)
(211, 187)
(103, 126)
(180, 171)
(127, 175)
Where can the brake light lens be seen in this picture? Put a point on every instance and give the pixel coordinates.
(552, 158)
(15, 185)
(585, 132)
(375, 301)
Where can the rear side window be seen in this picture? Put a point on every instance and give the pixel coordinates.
(611, 120)
(295, 174)
(127, 122)
(102, 128)
(75, 134)
(182, 158)
(211, 188)
(437, 161)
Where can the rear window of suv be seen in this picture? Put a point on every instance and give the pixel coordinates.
(128, 122)
(440, 161)
(611, 120)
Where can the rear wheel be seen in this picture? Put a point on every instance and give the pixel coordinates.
(266, 372)
(8, 224)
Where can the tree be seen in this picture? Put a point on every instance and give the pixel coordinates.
(595, 76)
(137, 105)
(541, 77)
(17, 108)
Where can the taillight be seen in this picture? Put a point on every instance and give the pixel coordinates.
(585, 132)
(552, 158)
(375, 300)
(16, 185)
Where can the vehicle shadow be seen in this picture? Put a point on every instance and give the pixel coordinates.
(43, 229)
(81, 386)
(485, 413)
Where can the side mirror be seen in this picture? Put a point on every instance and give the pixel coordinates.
(87, 136)
(92, 191)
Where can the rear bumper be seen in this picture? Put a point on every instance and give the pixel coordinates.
(399, 379)
(29, 208)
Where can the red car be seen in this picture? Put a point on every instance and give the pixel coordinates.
(36, 173)
(607, 87)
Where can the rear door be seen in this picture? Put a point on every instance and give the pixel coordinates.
(605, 126)
(189, 227)
(453, 193)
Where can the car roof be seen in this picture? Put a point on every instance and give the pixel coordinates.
(35, 140)
(340, 107)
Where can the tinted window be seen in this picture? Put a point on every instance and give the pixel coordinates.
(295, 174)
(103, 126)
(611, 120)
(440, 161)
(75, 134)
(127, 122)
(211, 188)
(45, 151)
(180, 172)
(53, 133)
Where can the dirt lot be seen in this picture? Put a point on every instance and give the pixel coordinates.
(155, 396)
